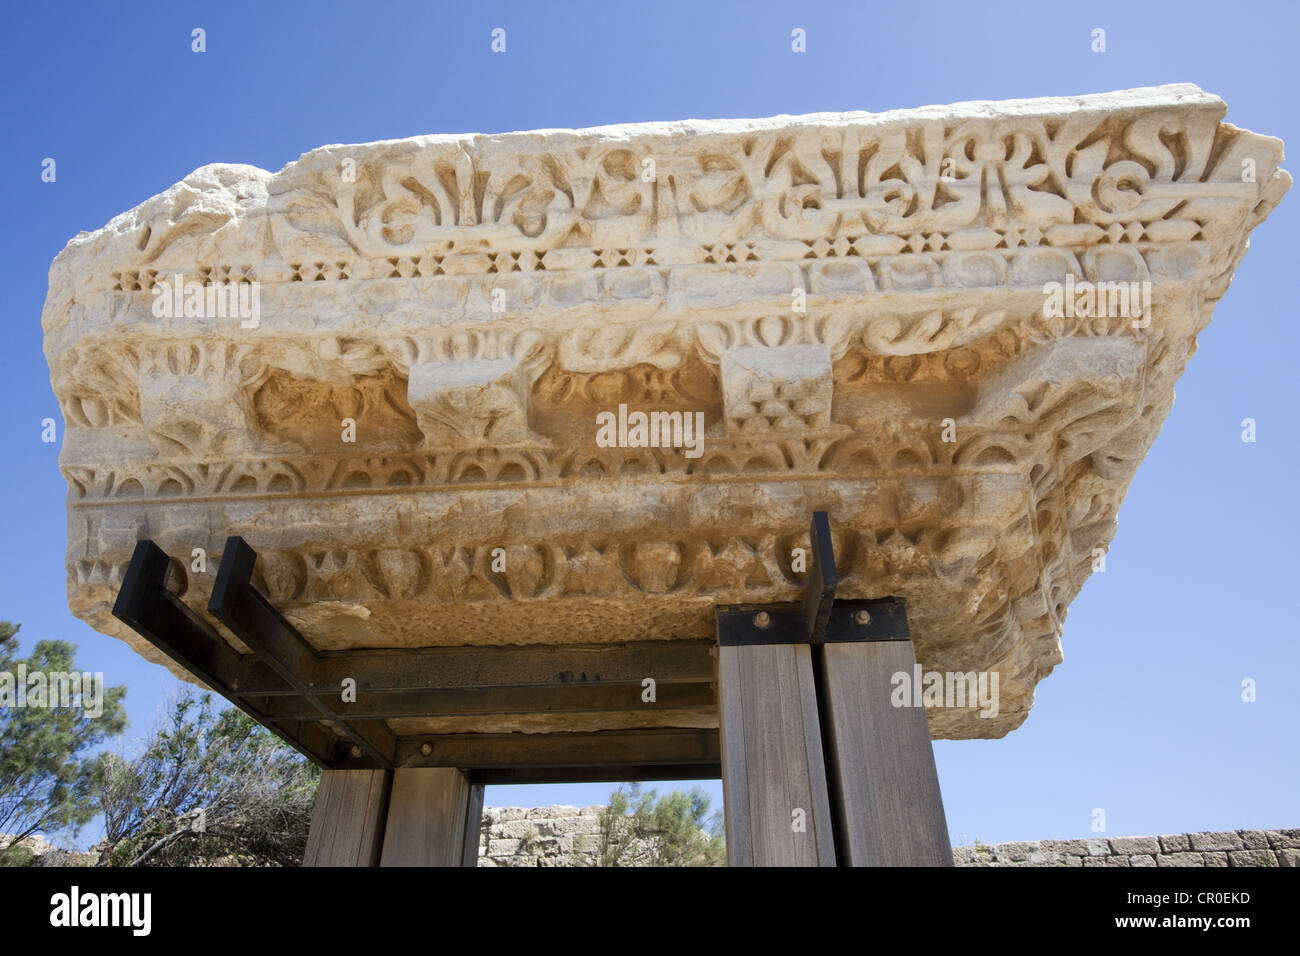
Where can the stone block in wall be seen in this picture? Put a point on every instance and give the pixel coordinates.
(1284, 839)
(1254, 839)
(1098, 847)
(1216, 858)
(1065, 847)
(1251, 858)
(1017, 852)
(1179, 859)
(1224, 840)
(1288, 857)
(551, 813)
(1142, 859)
(1131, 845)
(1175, 843)
(514, 829)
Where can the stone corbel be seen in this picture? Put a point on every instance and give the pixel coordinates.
(787, 387)
(776, 372)
(471, 388)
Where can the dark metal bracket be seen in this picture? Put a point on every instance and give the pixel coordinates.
(146, 606)
(288, 686)
(819, 619)
(252, 619)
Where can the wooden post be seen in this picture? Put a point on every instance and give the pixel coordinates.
(433, 818)
(347, 821)
(889, 811)
(473, 826)
(773, 773)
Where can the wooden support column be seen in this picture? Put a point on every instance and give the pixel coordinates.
(884, 786)
(773, 773)
(808, 724)
(347, 822)
(434, 817)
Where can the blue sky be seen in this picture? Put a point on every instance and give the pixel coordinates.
(1144, 719)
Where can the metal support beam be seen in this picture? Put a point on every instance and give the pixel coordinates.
(496, 701)
(252, 619)
(606, 748)
(160, 617)
(483, 668)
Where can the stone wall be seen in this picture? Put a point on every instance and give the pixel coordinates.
(569, 836)
(546, 836)
(1223, 848)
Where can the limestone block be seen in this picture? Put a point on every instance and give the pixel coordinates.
(1284, 839)
(956, 329)
(1226, 840)
(1132, 845)
(1252, 858)
(1254, 839)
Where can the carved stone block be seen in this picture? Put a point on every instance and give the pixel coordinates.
(956, 329)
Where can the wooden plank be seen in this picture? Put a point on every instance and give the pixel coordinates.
(321, 820)
(372, 834)
(735, 778)
(880, 760)
(348, 818)
(774, 776)
(427, 816)
(473, 826)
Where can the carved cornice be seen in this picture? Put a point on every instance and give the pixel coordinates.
(855, 304)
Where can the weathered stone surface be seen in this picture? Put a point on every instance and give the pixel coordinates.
(1226, 840)
(1284, 839)
(1251, 858)
(1135, 845)
(1254, 839)
(1175, 842)
(857, 305)
(568, 836)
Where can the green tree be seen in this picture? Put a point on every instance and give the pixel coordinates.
(46, 771)
(208, 787)
(642, 828)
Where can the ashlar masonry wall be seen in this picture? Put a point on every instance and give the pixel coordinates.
(569, 836)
